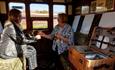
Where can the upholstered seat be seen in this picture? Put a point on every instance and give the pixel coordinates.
(12, 64)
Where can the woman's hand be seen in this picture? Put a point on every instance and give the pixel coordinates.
(58, 36)
(41, 33)
(38, 37)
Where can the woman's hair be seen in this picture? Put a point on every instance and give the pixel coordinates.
(63, 17)
(14, 12)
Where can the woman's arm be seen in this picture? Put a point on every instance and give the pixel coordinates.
(60, 37)
(42, 34)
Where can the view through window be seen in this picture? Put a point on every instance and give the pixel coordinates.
(39, 11)
(56, 10)
(40, 24)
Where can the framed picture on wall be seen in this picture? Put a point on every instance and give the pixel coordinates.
(110, 4)
(101, 5)
(69, 9)
(104, 5)
(39, 0)
(16, 0)
(78, 10)
(85, 9)
(2, 7)
(68, 1)
(93, 7)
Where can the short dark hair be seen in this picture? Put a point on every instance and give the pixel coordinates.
(14, 12)
(63, 17)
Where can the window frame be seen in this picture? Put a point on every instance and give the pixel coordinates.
(30, 19)
(39, 18)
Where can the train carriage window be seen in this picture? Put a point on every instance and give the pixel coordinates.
(56, 10)
(40, 24)
(21, 7)
(39, 14)
(39, 10)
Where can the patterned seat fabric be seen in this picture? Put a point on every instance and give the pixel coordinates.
(11, 64)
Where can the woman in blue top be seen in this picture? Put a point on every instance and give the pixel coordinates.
(62, 35)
